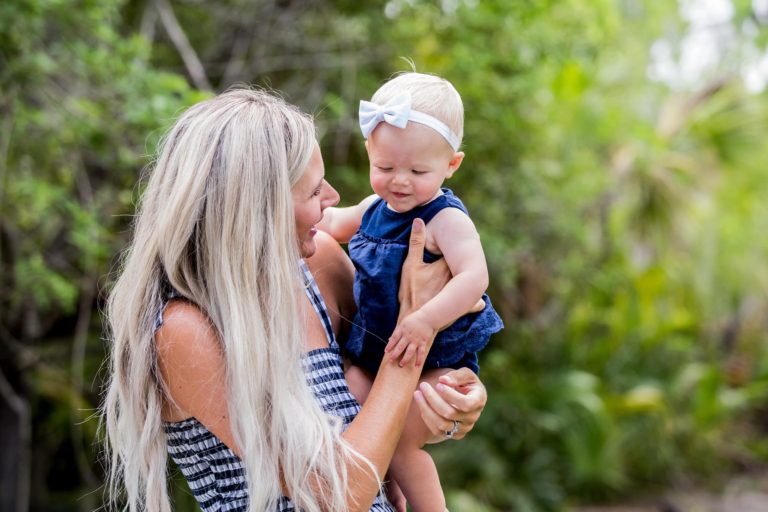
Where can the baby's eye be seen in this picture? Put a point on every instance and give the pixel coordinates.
(316, 192)
(414, 171)
(383, 169)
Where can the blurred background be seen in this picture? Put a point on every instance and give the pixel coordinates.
(616, 168)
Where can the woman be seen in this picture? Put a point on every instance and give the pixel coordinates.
(223, 352)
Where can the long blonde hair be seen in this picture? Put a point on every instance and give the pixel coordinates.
(216, 223)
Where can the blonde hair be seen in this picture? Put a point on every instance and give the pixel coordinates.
(216, 223)
(429, 94)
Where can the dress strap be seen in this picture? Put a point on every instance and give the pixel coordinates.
(313, 292)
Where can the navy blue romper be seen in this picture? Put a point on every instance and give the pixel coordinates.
(378, 251)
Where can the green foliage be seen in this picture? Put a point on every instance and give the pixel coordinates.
(623, 222)
(599, 195)
(77, 106)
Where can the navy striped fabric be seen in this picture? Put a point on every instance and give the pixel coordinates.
(215, 474)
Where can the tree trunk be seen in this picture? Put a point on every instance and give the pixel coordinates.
(15, 434)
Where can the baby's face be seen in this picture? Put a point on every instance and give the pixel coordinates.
(408, 166)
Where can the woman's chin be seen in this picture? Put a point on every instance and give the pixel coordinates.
(307, 248)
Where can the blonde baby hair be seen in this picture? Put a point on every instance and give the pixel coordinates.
(430, 94)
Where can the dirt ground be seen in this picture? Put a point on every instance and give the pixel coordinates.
(741, 494)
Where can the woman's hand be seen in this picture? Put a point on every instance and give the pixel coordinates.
(420, 281)
(459, 396)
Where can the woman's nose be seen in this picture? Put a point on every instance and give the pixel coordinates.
(331, 196)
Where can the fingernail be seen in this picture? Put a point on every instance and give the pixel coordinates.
(418, 396)
(417, 226)
(440, 386)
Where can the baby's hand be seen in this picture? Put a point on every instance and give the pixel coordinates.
(412, 338)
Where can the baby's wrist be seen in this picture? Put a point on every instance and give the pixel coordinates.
(425, 318)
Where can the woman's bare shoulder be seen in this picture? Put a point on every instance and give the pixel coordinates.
(193, 368)
(183, 321)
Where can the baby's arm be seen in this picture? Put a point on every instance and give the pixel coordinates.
(458, 240)
(342, 223)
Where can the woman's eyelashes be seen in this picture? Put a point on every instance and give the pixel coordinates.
(319, 189)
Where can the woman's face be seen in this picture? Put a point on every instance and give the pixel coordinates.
(311, 195)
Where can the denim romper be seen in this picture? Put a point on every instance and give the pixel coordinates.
(378, 251)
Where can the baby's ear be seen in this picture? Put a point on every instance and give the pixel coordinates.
(455, 163)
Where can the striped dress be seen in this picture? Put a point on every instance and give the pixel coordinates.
(214, 473)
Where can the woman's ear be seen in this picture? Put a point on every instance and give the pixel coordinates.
(455, 163)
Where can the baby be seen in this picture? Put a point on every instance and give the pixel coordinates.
(413, 128)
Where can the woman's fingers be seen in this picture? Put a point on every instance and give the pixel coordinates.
(459, 378)
(441, 406)
(464, 391)
(419, 281)
(453, 405)
(437, 424)
(416, 243)
(468, 405)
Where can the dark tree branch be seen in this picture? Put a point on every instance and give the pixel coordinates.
(16, 459)
(182, 44)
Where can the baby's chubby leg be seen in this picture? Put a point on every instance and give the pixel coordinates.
(412, 467)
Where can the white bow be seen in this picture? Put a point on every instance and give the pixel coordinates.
(396, 112)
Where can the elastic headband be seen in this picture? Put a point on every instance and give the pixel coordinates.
(397, 112)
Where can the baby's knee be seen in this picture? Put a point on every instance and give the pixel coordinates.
(410, 449)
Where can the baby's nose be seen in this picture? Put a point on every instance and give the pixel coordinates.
(400, 177)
